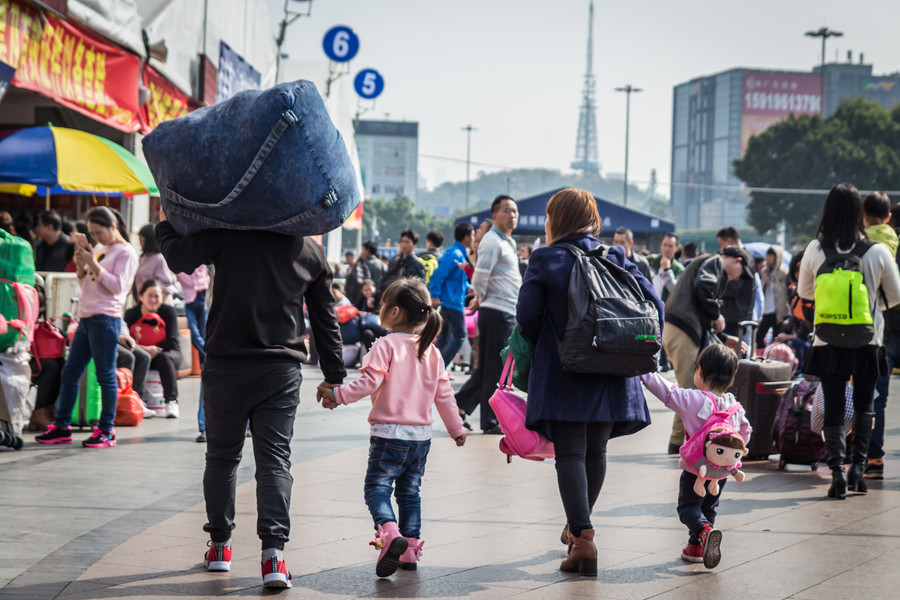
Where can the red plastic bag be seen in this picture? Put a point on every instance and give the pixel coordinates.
(124, 380)
(129, 409)
(346, 313)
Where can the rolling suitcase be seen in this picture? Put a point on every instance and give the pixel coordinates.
(87, 408)
(758, 386)
(792, 431)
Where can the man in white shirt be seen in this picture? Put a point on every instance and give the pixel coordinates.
(496, 283)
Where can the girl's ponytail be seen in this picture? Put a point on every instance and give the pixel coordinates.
(121, 225)
(433, 325)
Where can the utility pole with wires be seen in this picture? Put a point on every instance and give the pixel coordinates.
(289, 17)
(824, 33)
(628, 89)
(468, 129)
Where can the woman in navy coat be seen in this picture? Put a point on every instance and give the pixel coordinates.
(578, 412)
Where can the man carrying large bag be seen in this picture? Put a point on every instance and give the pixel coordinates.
(243, 182)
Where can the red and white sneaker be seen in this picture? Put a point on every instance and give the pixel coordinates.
(692, 553)
(710, 540)
(274, 572)
(218, 557)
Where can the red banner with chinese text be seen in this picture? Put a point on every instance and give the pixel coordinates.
(69, 64)
(166, 101)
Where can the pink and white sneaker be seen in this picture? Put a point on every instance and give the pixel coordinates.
(412, 555)
(274, 572)
(218, 557)
(392, 546)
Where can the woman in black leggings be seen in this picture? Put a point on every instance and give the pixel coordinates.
(840, 351)
(578, 412)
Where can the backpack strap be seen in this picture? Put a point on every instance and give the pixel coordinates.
(506, 374)
(731, 409)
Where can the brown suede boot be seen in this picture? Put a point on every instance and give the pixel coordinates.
(566, 538)
(583, 557)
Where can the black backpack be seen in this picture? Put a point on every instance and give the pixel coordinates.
(612, 328)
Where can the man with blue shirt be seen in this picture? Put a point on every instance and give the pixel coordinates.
(448, 287)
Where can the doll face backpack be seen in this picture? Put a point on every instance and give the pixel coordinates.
(701, 448)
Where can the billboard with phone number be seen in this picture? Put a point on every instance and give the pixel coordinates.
(769, 97)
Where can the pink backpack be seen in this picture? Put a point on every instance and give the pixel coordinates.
(510, 410)
(694, 448)
(27, 300)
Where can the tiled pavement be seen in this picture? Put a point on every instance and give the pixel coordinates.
(126, 523)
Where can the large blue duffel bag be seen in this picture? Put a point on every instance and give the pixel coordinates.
(268, 160)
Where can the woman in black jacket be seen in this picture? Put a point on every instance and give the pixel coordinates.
(165, 355)
(579, 412)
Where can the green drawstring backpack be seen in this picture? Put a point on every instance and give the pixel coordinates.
(843, 317)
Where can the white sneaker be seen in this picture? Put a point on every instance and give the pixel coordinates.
(172, 409)
(149, 413)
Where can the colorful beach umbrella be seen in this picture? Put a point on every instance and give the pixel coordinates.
(57, 160)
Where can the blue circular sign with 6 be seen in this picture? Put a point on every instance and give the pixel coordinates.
(340, 43)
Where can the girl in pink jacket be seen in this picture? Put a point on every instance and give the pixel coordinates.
(404, 374)
(713, 376)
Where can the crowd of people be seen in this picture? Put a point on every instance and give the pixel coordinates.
(408, 320)
(110, 272)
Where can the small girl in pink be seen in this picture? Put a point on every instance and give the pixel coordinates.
(713, 376)
(404, 374)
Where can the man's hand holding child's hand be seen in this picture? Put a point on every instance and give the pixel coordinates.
(325, 394)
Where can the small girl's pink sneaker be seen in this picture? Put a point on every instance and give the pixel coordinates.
(392, 546)
(412, 555)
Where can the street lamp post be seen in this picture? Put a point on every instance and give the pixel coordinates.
(824, 33)
(468, 129)
(628, 89)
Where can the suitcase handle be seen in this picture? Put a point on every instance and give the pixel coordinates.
(773, 387)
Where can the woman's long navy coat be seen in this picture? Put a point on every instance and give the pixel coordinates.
(542, 313)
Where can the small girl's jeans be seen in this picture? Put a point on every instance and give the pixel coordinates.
(398, 466)
(694, 511)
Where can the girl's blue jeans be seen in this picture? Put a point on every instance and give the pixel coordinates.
(97, 338)
(694, 511)
(396, 466)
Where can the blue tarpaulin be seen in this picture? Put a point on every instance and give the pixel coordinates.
(532, 213)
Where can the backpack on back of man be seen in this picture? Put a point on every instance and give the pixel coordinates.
(430, 263)
(843, 317)
(612, 328)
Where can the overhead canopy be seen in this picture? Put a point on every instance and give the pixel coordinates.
(532, 213)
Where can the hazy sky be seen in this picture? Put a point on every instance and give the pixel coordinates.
(514, 69)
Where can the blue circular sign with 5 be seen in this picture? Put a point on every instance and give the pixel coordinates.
(340, 43)
(368, 83)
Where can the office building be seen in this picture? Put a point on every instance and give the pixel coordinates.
(388, 158)
(714, 117)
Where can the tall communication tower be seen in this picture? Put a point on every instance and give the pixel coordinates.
(586, 147)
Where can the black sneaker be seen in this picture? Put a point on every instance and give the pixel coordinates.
(874, 469)
(55, 435)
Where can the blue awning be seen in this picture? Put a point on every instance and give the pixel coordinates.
(532, 212)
